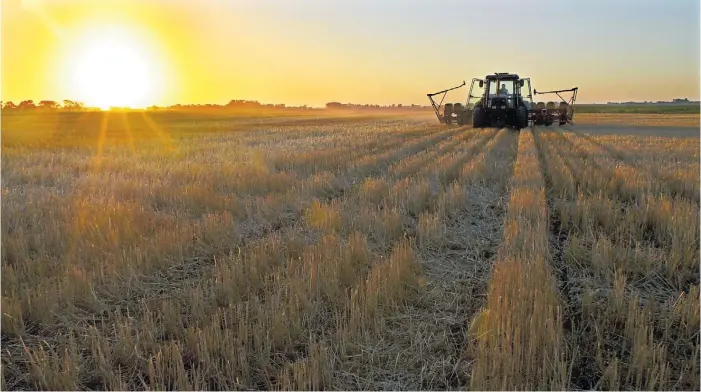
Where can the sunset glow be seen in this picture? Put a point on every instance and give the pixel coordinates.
(137, 53)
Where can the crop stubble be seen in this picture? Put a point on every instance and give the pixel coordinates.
(362, 254)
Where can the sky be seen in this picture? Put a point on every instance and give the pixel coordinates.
(144, 52)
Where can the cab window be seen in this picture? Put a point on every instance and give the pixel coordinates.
(501, 87)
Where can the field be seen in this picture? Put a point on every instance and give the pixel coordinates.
(185, 251)
(641, 120)
(640, 108)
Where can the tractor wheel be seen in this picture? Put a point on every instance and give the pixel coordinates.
(478, 117)
(521, 117)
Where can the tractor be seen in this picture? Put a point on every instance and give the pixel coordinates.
(503, 100)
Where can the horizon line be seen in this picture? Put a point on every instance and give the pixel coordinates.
(243, 102)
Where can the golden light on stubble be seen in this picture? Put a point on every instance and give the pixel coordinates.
(114, 66)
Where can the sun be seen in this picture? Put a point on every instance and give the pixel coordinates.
(112, 67)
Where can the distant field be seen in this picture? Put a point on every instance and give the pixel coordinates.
(645, 120)
(180, 251)
(641, 108)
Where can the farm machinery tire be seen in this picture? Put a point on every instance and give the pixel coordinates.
(463, 118)
(521, 118)
(478, 117)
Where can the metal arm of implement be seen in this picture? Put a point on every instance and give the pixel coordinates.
(570, 102)
(436, 108)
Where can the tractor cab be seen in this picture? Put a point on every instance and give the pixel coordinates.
(503, 91)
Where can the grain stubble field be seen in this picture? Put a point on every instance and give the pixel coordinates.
(143, 251)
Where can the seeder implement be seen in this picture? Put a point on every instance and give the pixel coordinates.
(547, 113)
(449, 108)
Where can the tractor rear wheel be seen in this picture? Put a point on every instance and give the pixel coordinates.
(478, 117)
(521, 117)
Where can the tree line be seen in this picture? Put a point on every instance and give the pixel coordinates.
(355, 106)
(238, 104)
(45, 104)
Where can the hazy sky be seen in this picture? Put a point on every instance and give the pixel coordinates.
(314, 51)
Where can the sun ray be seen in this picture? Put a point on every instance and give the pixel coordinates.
(80, 214)
(129, 134)
(97, 159)
(165, 138)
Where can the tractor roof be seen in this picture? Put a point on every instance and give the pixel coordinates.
(502, 76)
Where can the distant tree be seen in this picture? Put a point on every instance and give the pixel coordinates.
(72, 105)
(9, 105)
(49, 105)
(27, 104)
